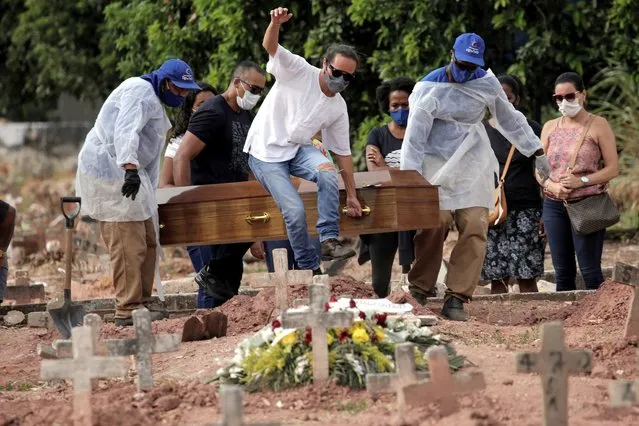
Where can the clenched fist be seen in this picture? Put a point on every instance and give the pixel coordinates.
(280, 16)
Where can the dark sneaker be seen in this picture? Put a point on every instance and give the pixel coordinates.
(454, 309)
(213, 286)
(332, 249)
(317, 271)
(421, 299)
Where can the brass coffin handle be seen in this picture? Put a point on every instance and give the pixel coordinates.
(264, 217)
(162, 226)
(366, 210)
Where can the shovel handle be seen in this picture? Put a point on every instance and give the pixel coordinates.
(70, 215)
(68, 257)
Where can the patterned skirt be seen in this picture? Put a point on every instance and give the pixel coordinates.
(515, 248)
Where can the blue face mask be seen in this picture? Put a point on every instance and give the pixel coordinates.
(170, 99)
(400, 116)
(461, 75)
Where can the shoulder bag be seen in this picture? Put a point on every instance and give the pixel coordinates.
(500, 210)
(593, 213)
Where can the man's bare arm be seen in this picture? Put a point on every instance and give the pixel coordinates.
(272, 34)
(189, 148)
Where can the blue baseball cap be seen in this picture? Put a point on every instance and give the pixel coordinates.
(180, 74)
(469, 47)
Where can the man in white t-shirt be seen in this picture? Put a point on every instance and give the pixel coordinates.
(303, 101)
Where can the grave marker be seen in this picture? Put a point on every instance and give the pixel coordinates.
(142, 346)
(233, 409)
(22, 292)
(442, 386)
(624, 393)
(554, 363)
(629, 275)
(84, 367)
(405, 374)
(319, 321)
(282, 278)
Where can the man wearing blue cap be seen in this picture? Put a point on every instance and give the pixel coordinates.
(446, 141)
(118, 172)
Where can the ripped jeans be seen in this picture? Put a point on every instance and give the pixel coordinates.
(275, 177)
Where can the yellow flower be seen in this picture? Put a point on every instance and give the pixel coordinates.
(360, 336)
(289, 339)
(379, 333)
(329, 339)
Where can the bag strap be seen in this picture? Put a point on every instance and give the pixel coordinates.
(507, 165)
(571, 166)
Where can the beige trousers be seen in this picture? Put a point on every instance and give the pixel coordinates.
(466, 260)
(133, 250)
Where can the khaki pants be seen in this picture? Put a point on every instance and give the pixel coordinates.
(133, 250)
(466, 260)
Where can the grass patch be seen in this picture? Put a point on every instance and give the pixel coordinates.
(16, 387)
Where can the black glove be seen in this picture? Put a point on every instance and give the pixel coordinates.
(131, 184)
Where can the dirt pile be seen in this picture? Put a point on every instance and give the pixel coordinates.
(247, 314)
(610, 304)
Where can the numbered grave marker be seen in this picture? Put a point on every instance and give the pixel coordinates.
(554, 363)
(629, 275)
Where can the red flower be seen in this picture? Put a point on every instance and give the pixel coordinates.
(327, 306)
(352, 304)
(308, 336)
(380, 318)
(362, 315)
(343, 335)
(333, 299)
(276, 324)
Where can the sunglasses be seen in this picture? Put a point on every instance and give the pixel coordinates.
(256, 90)
(465, 65)
(339, 73)
(568, 96)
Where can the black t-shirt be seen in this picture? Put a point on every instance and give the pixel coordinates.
(4, 209)
(389, 146)
(521, 187)
(224, 132)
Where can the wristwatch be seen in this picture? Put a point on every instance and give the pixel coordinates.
(585, 180)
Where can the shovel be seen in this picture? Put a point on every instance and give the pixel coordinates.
(64, 314)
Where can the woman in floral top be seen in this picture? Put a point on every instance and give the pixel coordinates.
(596, 165)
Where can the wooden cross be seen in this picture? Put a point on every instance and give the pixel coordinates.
(319, 321)
(629, 275)
(442, 386)
(81, 369)
(142, 347)
(554, 363)
(232, 407)
(624, 393)
(282, 278)
(405, 374)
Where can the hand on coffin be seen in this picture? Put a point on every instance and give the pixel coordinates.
(353, 207)
(257, 250)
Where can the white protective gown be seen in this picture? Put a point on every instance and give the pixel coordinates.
(447, 143)
(131, 128)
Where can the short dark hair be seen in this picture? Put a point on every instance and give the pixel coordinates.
(382, 94)
(514, 83)
(186, 109)
(245, 66)
(341, 49)
(571, 77)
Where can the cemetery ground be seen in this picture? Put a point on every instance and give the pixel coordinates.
(489, 341)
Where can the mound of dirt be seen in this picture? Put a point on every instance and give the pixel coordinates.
(247, 314)
(610, 304)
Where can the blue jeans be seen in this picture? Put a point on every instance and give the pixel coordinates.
(200, 256)
(275, 177)
(564, 243)
(269, 246)
(4, 274)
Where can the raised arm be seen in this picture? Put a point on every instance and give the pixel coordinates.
(272, 34)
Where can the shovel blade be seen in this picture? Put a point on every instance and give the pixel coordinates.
(67, 317)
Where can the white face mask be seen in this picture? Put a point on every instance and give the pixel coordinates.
(249, 100)
(569, 109)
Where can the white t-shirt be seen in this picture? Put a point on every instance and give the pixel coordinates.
(174, 144)
(294, 110)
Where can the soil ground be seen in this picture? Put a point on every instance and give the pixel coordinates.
(496, 331)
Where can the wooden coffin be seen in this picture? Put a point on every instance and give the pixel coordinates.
(244, 211)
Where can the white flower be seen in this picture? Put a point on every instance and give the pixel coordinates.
(301, 363)
(357, 367)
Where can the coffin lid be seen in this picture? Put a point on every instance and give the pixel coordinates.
(253, 189)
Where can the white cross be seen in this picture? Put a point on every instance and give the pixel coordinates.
(554, 363)
(319, 321)
(232, 407)
(81, 369)
(442, 386)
